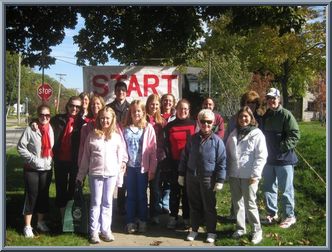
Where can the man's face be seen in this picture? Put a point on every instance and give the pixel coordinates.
(208, 104)
(120, 94)
(272, 102)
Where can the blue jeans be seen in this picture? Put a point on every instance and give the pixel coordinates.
(165, 189)
(136, 202)
(279, 177)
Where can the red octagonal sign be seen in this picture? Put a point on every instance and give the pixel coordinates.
(44, 91)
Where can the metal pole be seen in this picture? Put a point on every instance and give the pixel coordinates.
(60, 79)
(19, 91)
(43, 63)
(209, 87)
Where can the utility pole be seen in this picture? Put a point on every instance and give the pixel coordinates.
(59, 92)
(18, 108)
(209, 85)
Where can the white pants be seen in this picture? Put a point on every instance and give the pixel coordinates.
(244, 203)
(101, 198)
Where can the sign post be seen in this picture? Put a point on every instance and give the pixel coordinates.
(44, 92)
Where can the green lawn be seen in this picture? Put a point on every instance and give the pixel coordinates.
(310, 229)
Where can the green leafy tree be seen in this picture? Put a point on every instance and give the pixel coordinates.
(33, 30)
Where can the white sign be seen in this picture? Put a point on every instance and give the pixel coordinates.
(141, 81)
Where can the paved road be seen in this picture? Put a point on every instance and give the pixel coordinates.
(12, 136)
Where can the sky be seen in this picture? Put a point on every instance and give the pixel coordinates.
(66, 61)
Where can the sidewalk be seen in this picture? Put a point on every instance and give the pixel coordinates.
(156, 235)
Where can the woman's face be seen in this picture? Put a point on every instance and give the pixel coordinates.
(74, 107)
(244, 119)
(85, 102)
(96, 106)
(182, 111)
(44, 116)
(168, 103)
(136, 114)
(106, 119)
(205, 124)
(154, 107)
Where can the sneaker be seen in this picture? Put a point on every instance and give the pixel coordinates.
(107, 237)
(272, 218)
(171, 222)
(186, 223)
(94, 239)
(192, 235)
(27, 231)
(257, 237)
(155, 220)
(41, 225)
(211, 237)
(238, 234)
(141, 226)
(131, 228)
(286, 223)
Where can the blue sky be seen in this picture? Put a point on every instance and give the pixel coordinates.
(66, 61)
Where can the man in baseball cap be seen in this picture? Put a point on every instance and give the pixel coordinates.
(282, 135)
(273, 92)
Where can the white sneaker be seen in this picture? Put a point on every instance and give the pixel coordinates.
(171, 222)
(238, 234)
(107, 237)
(141, 226)
(211, 237)
(41, 225)
(192, 235)
(287, 222)
(257, 237)
(27, 231)
(94, 239)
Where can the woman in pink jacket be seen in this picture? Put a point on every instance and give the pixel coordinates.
(103, 156)
(141, 143)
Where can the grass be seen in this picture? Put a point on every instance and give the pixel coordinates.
(310, 196)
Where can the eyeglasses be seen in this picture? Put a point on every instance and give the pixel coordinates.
(75, 106)
(206, 121)
(270, 98)
(45, 115)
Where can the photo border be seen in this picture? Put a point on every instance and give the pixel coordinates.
(169, 2)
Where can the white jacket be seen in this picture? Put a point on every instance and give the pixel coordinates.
(103, 157)
(29, 148)
(246, 159)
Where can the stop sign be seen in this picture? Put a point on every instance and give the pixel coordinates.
(44, 91)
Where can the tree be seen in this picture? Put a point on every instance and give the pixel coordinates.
(141, 35)
(33, 30)
(292, 58)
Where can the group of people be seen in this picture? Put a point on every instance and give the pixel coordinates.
(158, 145)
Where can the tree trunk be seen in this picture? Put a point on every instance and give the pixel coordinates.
(284, 83)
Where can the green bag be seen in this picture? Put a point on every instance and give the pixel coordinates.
(76, 214)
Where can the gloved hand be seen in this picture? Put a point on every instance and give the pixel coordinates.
(181, 180)
(218, 187)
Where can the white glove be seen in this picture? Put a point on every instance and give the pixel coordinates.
(218, 187)
(181, 180)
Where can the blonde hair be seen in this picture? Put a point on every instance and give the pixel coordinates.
(183, 101)
(99, 128)
(157, 116)
(142, 123)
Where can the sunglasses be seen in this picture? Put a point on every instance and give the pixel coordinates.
(75, 106)
(270, 98)
(206, 121)
(45, 115)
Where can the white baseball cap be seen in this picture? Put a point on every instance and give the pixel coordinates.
(273, 92)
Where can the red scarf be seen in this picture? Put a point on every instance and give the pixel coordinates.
(65, 150)
(46, 150)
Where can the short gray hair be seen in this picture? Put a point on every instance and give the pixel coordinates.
(205, 113)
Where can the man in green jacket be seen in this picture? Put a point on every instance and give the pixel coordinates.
(282, 134)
